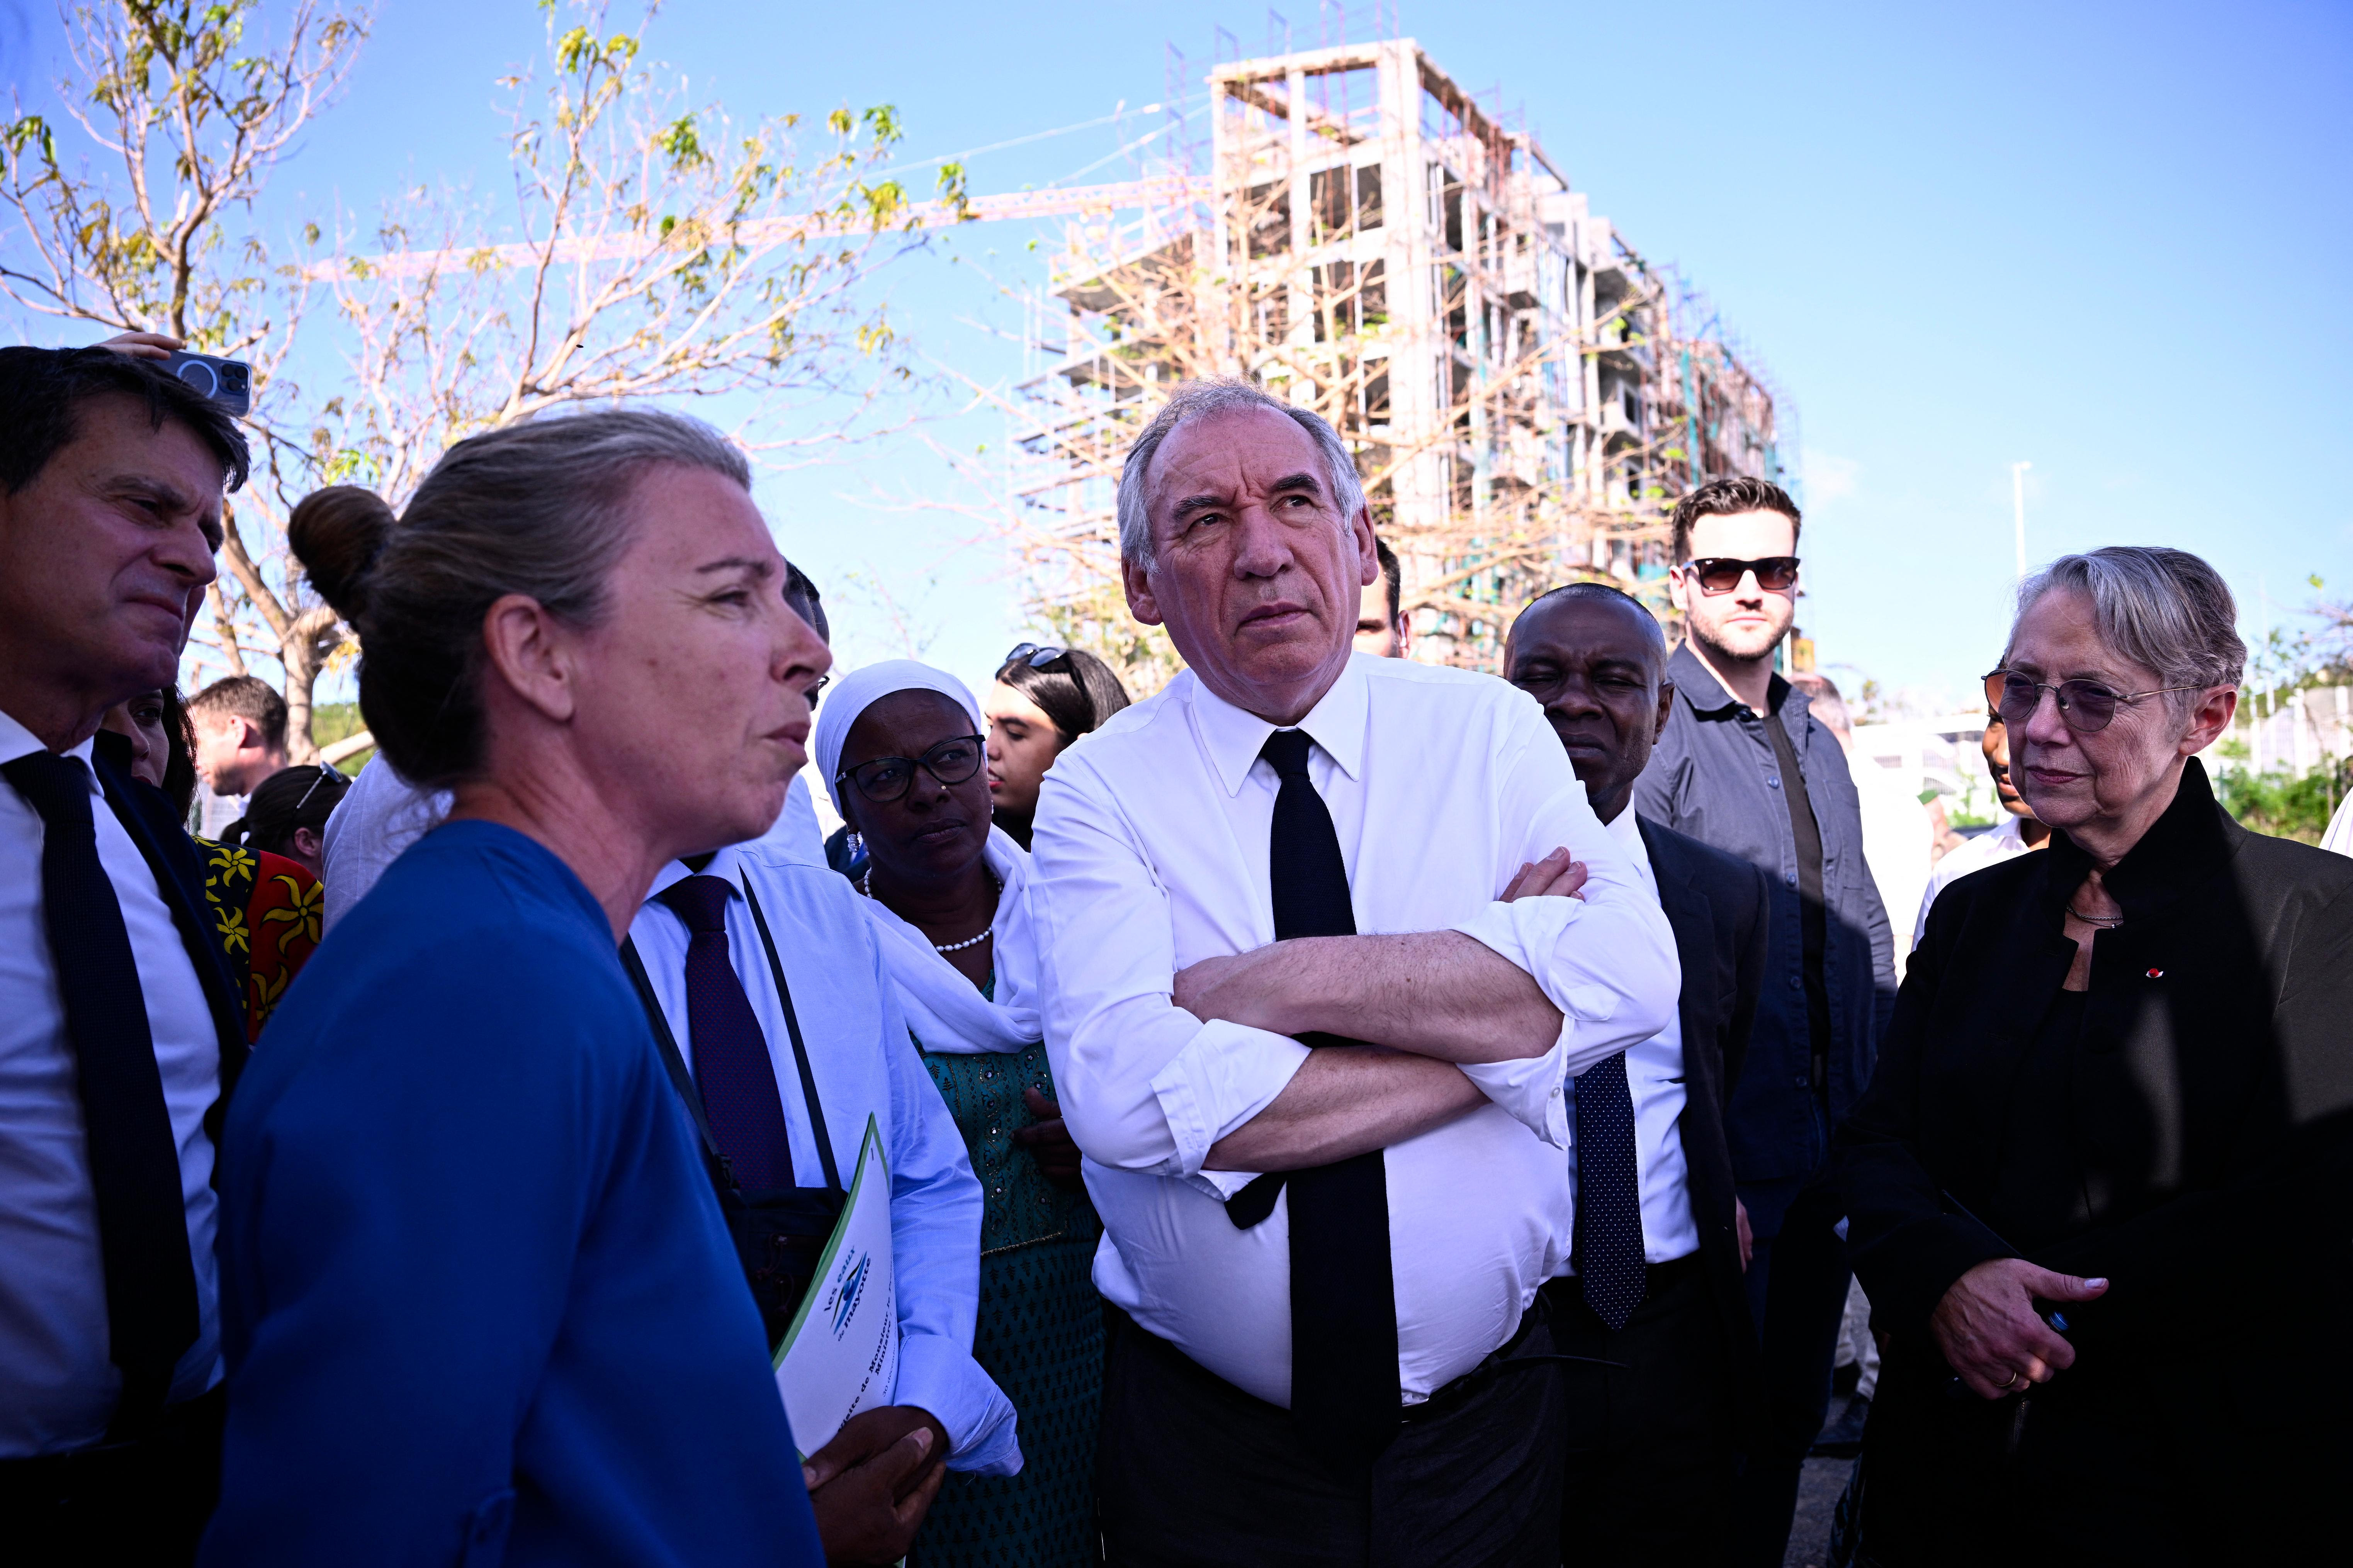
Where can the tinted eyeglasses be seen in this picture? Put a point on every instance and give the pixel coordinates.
(1722, 574)
(1037, 655)
(327, 770)
(885, 779)
(2087, 706)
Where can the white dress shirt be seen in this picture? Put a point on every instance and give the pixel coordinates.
(864, 1063)
(1985, 849)
(1150, 854)
(58, 1387)
(1654, 1079)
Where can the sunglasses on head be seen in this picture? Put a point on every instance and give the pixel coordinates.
(2085, 706)
(1722, 574)
(1039, 655)
(326, 771)
(884, 779)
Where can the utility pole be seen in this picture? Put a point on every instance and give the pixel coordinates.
(2018, 508)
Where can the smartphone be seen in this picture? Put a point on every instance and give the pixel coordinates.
(226, 381)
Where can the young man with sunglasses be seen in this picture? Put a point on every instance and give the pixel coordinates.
(1742, 764)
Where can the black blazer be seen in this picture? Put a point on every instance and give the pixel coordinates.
(1720, 909)
(2212, 1110)
(146, 815)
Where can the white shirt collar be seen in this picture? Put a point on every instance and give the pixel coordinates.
(1233, 737)
(15, 740)
(726, 864)
(1628, 832)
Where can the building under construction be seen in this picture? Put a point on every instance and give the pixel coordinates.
(1525, 395)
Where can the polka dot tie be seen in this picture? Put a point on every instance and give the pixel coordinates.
(1609, 1248)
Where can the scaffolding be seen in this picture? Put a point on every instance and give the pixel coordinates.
(1524, 395)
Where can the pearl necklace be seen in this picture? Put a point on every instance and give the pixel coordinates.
(996, 887)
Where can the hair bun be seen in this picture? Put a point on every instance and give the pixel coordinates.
(337, 534)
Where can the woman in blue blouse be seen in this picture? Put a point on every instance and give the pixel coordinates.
(480, 1305)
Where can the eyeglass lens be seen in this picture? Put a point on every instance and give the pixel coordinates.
(950, 762)
(1721, 574)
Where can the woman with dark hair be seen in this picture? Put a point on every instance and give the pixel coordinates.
(899, 746)
(1044, 700)
(2098, 1187)
(287, 812)
(479, 1302)
(265, 905)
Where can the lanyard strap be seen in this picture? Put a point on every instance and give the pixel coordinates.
(684, 1081)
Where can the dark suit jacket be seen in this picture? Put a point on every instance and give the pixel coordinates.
(1720, 909)
(2211, 1105)
(146, 815)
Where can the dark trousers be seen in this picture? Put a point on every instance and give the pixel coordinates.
(1650, 1457)
(143, 1502)
(2147, 1461)
(1193, 1473)
(1796, 1294)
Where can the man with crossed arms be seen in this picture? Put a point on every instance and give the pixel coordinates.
(1314, 988)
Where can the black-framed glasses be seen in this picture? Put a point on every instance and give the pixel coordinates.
(326, 771)
(1722, 574)
(2087, 706)
(1037, 656)
(885, 779)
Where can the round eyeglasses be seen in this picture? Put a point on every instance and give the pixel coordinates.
(884, 779)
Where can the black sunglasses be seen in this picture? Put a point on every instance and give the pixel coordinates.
(326, 771)
(2087, 706)
(1722, 574)
(885, 779)
(1037, 656)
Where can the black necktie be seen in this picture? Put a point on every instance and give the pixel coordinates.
(1344, 1334)
(1609, 1248)
(152, 1316)
(732, 1069)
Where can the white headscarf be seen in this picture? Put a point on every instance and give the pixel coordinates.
(861, 688)
(947, 1011)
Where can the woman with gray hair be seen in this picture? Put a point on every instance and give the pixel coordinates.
(479, 1304)
(2099, 1189)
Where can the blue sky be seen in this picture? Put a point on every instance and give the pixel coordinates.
(2110, 240)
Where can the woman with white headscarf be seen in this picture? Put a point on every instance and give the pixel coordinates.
(902, 747)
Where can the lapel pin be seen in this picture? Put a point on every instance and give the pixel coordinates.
(2157, 974)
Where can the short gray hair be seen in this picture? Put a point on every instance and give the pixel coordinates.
(539, 509)
(1199, 400)
(2166, 610)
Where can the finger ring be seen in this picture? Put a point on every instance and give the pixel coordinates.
(2008, 1381)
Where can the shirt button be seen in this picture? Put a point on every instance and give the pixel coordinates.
(1795, 981)
(1774, 783)
(1790, 878)
(1801, 1081)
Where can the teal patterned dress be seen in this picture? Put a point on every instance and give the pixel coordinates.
(1039, 1335)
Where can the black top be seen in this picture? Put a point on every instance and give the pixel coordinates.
(2039, 1191)
(2209, 1116)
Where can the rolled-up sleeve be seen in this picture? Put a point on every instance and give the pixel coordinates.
(935, 1209)
(1606, 960)
(1144, 1085)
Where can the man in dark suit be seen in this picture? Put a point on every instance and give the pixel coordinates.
(120, 1027)
(1656, 1303)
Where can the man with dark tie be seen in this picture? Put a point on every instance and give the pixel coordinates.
(1313, 991)
(120, 1030)
(1654, 1304)
(783, 1034)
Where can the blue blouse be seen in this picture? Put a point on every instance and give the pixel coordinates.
(479, 1303)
